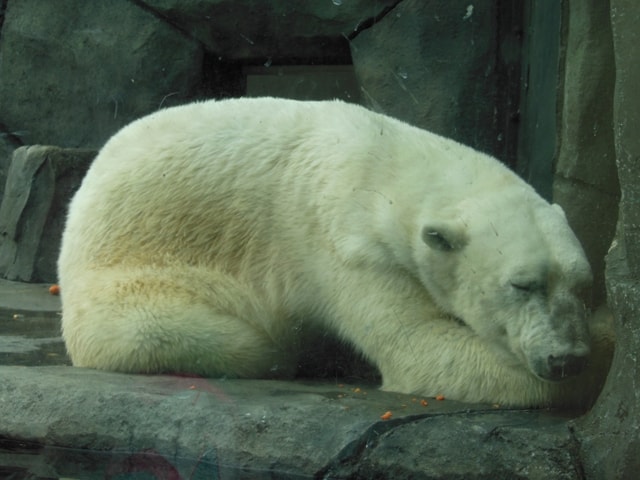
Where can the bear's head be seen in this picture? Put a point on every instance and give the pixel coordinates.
(507, 265)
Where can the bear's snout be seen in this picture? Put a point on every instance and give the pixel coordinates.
(564, 366)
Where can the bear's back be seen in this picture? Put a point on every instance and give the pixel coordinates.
(205, 179)
(220, 179)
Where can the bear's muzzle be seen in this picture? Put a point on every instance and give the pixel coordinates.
(565, 366)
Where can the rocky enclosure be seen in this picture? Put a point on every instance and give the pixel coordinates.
(485, 73)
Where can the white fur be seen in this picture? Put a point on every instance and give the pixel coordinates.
(206, 237)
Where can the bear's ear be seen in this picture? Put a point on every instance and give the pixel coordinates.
(444, 237)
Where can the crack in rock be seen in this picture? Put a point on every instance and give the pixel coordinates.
(353, 451)
(164, 18)
(500, 440)
(371, 21)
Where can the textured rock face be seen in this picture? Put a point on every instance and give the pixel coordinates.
(246, 30)
(449, 75)
(609, 434)
(41, 181)
(73, 83)
(118, 61)
(202, 428)
(8, 143)
(586, 180)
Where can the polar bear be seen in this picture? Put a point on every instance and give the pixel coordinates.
(217, 238)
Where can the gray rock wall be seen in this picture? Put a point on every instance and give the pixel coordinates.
(586, 180)
(610, 433)
(40, 184)
(72, 72)
(450, 67)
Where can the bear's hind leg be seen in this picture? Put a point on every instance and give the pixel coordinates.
(185, 320)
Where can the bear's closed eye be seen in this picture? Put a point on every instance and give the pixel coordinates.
(529, 287)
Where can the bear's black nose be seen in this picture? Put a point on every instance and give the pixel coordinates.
(564, 366)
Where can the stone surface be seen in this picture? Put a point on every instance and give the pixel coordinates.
(448, 75)
(587, 151)
(30, 326)
(466, 446)
(74, 83)
(119, 61)
(583, 203)
(8, 143)
(610, 434)
(40, 182)
(586, 180)
(250, 30)
(268, 429)
(28, 297)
